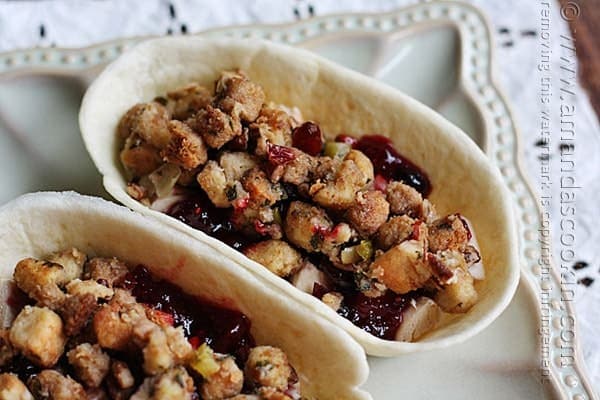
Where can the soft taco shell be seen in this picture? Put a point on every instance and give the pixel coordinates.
(329, 363)
(341, 101)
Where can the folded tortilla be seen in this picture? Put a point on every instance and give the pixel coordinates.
(329, 363)
(340, 101)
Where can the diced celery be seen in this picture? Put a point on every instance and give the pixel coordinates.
(277, 216)
(336, 149)
(365, 249)
(204, 362)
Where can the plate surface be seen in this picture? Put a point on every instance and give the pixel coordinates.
(440, 53)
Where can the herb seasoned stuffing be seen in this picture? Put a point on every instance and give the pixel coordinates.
(100, 329)
(347, 220)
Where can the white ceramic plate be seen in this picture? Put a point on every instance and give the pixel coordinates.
(438, 52)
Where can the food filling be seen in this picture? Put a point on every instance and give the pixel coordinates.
(346, 220)
(96, 328)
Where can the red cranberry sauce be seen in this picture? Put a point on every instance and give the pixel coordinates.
(197, 211)
(226, 331)
(21, 367)
(379, 316)
(17, 299)
(388, 162)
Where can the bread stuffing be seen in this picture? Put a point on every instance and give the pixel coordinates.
(99, 328)
(346, 220)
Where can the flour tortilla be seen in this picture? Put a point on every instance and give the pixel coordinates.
(329, 363)
(341, 101)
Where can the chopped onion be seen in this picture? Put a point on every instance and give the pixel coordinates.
(477, 271)
(164, 179)
(306, 277)
(162, 204)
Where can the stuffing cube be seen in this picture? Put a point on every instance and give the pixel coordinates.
(90, 364)
(11, 388)
(40, 279)
(236, 94)
(404, 199)
(276, 255)
(51, 384)
(72, 261)
(227, 382)
(402, 268)
(38, 334)
(268, 366)
(368, 212)
(459, 296)
(185, 147)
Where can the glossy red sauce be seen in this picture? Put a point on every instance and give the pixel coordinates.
(379, 316)
(225, 330)
(197, 211)
(308, 138)
(17, 299)
(23, 368)
(388, 162)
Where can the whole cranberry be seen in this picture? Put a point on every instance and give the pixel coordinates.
(308, 138)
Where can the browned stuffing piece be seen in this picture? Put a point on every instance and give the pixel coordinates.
(90, 364)
(236, 94)
(106, 271)
(268, 366)
(38, 334)
(51, 384)
(278, 256)
(187, 101)
(185, 148)
(174, 384)
(40, 280)
(215, 126)
(369, 211)
(226, 382)
(11, 388)
(76, 311)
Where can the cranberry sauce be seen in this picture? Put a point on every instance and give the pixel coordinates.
(17, 299)
(225, 330)
(197, 211)
(388, 162)
(308, 138)
(379, 316)
(21, 367)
